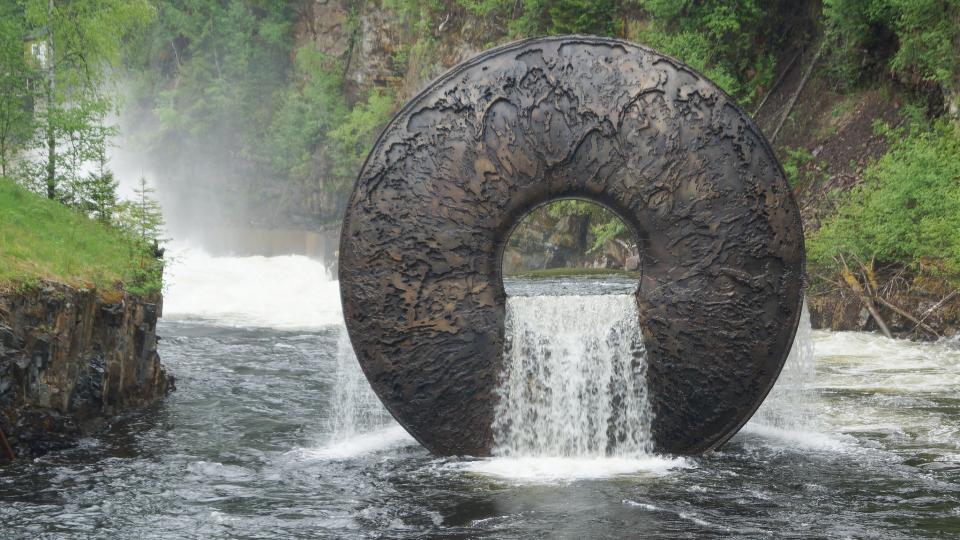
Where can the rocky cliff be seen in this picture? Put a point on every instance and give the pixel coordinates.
(827, 141)
(71, 358)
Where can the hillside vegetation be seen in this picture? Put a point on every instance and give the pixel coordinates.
(42, 239)
(259, 113)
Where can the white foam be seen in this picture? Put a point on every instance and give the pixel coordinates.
(567, 469)
(574, 379)
(796, 438)
(360, 445)
(288, 292)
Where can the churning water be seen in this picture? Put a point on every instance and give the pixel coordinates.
(273, 433)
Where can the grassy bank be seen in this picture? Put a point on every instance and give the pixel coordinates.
(41, 239)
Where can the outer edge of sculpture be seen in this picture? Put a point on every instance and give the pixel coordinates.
(436, 199)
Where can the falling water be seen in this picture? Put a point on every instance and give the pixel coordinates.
(793, 402)
(356, 409)
(574, 379)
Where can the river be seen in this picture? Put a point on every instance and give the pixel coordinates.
(272, 433)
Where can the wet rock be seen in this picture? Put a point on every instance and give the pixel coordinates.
(71, 358)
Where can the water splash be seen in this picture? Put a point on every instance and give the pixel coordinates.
(287, 292)
(794, 403)
(355, 408)
(574, 379)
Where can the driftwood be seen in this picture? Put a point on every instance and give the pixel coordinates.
(854, 283)
(935, 308)
(7, 449)
(793, 98)
(776, 83)
(910, 317)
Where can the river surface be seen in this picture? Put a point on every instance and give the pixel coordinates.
(271, 434)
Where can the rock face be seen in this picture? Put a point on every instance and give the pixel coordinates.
(71, 358)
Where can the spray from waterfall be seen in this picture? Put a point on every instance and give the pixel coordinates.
(793, 403)
(574, 379)
(355, 408)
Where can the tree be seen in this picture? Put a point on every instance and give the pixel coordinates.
(16, 94)
(96, 193)
(211, 76)
(142, 219)
(81, 42)
(143, 216)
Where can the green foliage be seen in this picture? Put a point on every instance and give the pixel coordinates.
(906, 210)
(209, 78)
(56, 99)
(74, 47)
(914, 39)
(315, 117)
(96, 194)
(142, 221)
(354, 137)
(523, 18)
(310, 108)
(16, 91)
(529, 18)
(605, 231)
(796, 159)
(42, 239)
(583, 17)
(603, 224)
(732, 42)
(696, 49)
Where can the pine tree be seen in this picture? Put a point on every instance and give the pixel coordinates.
(101, 193)
(143, 215)
(142, 218)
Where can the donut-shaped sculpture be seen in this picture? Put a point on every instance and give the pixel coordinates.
(571, 117)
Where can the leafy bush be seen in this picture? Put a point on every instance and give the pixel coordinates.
(733, 43)
(796, 159)
(906, 211)
(310, 108)
(355, 136)
(530, 18)
(914, 39)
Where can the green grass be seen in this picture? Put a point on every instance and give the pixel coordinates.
(44, 240)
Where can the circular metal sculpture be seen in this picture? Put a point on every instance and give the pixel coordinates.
(571, 117)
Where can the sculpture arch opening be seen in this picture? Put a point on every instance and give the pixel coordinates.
(570, 237)
(571, 117)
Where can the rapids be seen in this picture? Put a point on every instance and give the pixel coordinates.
(274, 433)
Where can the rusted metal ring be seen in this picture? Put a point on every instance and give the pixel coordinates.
(583, 117)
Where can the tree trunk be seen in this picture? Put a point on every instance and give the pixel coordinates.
(51, 105)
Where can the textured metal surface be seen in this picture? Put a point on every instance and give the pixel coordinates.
(596, 119)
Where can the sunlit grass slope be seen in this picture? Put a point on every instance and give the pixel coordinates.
(42, 239)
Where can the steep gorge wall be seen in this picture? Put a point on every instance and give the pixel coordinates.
(70, 359)
(382, 48)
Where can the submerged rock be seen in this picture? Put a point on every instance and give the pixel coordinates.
(71, 358)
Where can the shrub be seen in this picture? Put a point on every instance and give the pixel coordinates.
(915, 40)
(732, 42)
(906, 210)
